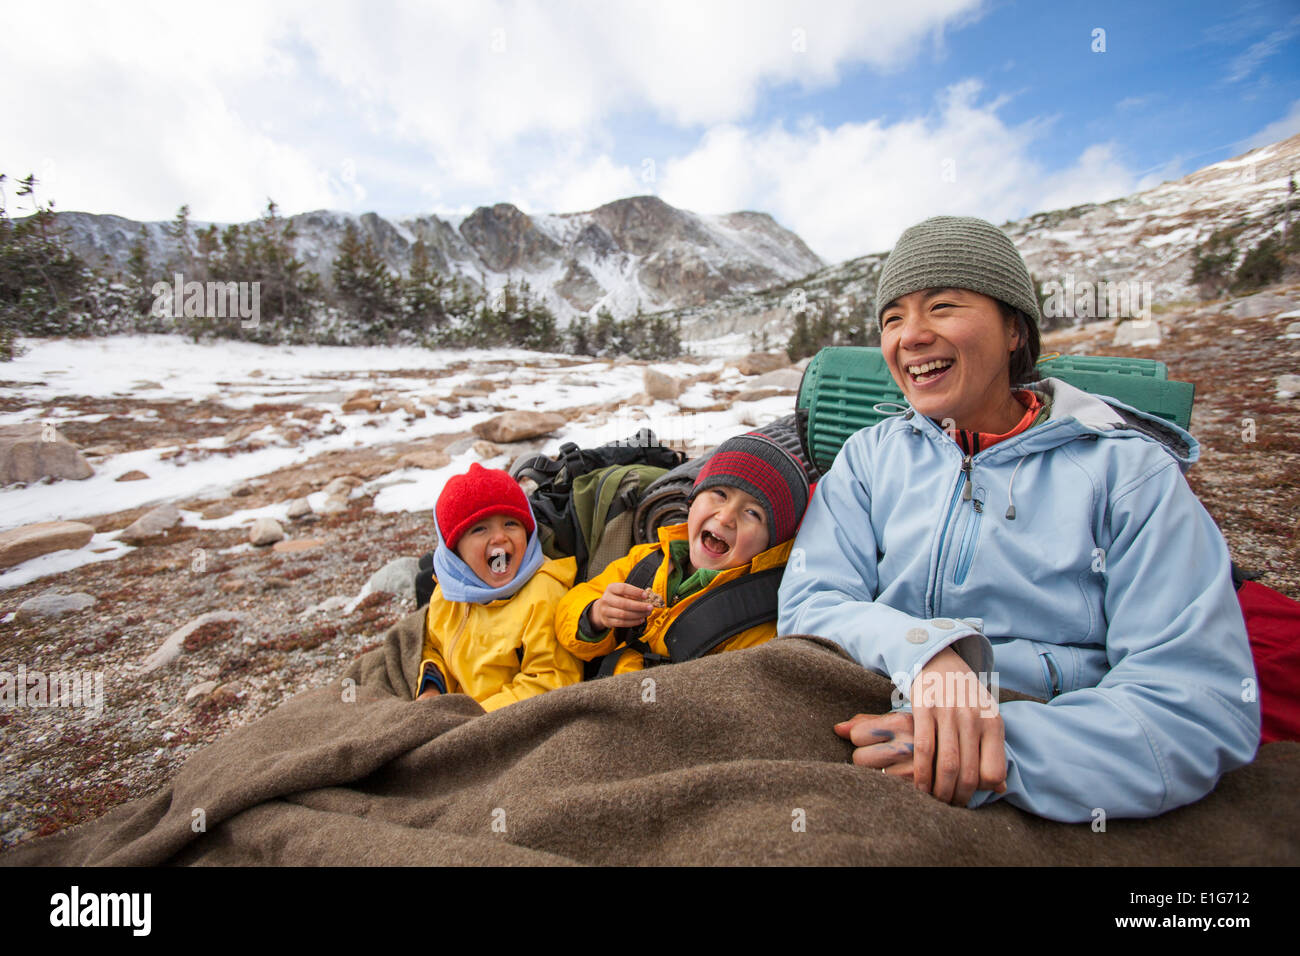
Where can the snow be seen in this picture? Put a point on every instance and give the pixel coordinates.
(102, 547)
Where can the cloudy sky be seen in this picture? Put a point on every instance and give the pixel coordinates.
(846, 121)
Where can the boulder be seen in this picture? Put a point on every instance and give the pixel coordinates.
(395, 577)
(518, 426)
(1288, 386)
(199, 691)
(334, 504)
(1259, 304)
(298, 544)
(361, 405)
(32, 540)
(32, 451)
(757, 394)
(240, 432)
(1293, 328)
(52, 603)
(135, 474)
(151, 524)
(265, 531)
(756, 363)
(298, 508)
(1137, 333)
(786, 379)
(660, 385)
(341, 486)
(485, 449)
(171, 647)
(242, 490)
(431, 460)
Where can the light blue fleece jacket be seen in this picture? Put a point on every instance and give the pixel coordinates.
(1108, 594)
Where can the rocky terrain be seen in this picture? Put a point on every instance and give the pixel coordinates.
(196, 630)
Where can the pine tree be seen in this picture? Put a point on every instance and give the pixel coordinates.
(365, 285)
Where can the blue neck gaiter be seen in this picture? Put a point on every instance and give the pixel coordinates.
(459, 583)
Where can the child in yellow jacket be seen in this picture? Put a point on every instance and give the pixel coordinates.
(490, 627)
(744, 510)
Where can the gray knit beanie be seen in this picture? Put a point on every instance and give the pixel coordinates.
(960, 252)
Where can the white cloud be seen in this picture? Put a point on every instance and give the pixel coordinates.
(141, 107)
(1279, 129)
(852, 189)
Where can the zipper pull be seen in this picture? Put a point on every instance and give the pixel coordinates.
(965, 467)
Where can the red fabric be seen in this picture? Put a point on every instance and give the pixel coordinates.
(973, 443)
(478, 494)
(1273, 624)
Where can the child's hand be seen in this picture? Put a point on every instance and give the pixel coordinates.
(622, 605)
(430, 692)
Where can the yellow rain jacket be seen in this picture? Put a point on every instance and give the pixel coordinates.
(504, 651)
(660, 619)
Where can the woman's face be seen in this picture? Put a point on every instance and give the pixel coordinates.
(949, 350)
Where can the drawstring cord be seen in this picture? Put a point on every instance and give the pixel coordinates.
(1011, 509)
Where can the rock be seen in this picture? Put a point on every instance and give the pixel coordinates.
(333, 505)
(756, 363)
(518, 426)
(104, 450)
(1293, 328)
(485, 449)
(298, 544)
(143, 386)
(1137, 332)
(461, 445)
(1288, 386)
(328, 606)
(241, 490)
(341, 486)
(135, 474)
(220, 509)
(200, 690)
(265, 531)
(299, 507)
(358, 394)
(33, 451)
(151, 524)
(462, 392)
(1259, 304)
(52, 603)
(786, 379)
(32, 540)
(431, 460)
(757, 394)
(170, 648)
(660, 385)
(361, 405)
(395, 577)
(240, 432)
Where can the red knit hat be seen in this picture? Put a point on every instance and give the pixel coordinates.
(475, 495)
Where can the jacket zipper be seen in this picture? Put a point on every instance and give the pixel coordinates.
(967, 550)
(960, 493)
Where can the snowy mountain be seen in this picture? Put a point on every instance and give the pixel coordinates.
(1150, 236)
(629, 254)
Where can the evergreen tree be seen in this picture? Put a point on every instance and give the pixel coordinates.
(365, 285)
(422, 294)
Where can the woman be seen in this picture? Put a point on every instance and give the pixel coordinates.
(1035, 537)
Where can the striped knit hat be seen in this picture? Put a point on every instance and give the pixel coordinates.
(960, 252)
(767, 472)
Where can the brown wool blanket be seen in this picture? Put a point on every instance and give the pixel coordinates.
(726, 760)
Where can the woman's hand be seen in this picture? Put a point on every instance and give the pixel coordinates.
(960, 743)
(883, 742)
(952, 744)
(622, 605)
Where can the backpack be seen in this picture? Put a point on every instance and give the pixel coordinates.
(586, 499)
(1273, 626)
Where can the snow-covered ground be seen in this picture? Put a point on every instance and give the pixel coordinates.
(54, 374)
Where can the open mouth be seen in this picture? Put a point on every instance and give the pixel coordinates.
(930, 371)
(498, 561)
(711, 543)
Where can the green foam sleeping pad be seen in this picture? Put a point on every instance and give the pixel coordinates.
(846, 388)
